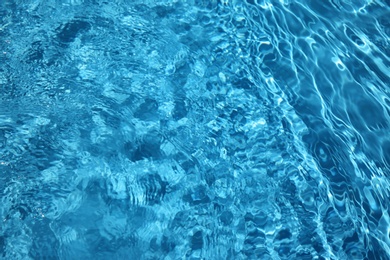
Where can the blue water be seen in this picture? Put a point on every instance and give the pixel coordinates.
(173, 129)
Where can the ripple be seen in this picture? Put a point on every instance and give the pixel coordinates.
(237, 129)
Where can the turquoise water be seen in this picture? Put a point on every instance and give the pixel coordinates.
(168, 129)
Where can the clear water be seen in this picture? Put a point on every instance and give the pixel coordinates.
(173, 129)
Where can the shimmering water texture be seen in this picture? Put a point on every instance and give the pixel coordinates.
(170, 129)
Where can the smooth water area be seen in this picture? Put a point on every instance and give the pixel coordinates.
(190, 129)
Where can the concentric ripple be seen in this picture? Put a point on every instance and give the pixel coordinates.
(220, 129)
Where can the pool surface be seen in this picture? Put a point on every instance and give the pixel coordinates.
(194, 129)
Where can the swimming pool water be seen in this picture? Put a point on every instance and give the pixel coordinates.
(190, 129)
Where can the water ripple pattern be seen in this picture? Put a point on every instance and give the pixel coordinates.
(194, 129)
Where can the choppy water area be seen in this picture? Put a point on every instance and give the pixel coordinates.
(194, 129)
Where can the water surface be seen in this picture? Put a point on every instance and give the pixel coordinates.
(171, 129)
